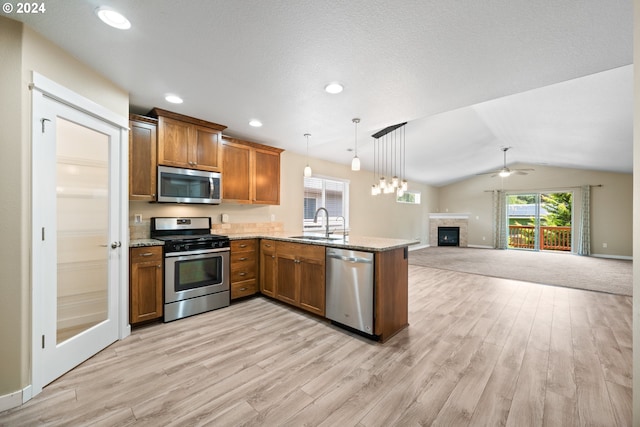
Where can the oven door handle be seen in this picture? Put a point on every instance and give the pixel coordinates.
(196, 252)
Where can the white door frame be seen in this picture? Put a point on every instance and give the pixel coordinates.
(41, 86)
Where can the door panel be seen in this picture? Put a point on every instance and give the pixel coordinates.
(540, 221)
(76, 205)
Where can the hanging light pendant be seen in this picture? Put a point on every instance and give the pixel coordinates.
(355, 163)
(390, 147)
(307, 169)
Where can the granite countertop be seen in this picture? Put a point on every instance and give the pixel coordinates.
(138, 243)
(362, 243)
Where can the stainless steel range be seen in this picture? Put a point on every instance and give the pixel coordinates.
(196, 266)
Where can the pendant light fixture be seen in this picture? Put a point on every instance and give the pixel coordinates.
(307, 169)
(389, 158)
(355, 163)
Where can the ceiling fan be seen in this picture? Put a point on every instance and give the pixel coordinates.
(505, 171)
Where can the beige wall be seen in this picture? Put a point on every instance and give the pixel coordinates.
(14, 252)
(23, 51)
(369, 216)
(611, 204)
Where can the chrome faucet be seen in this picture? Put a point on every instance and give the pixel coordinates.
(315, 219)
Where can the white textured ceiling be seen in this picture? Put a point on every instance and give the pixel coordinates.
(551, 79)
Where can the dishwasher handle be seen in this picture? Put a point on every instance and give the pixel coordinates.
(349, 259)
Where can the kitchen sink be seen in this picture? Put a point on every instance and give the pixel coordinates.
(317, 238)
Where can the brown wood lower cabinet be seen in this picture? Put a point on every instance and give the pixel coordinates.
(294, 273)
(268, 267)
(145, 284)
(243, 267)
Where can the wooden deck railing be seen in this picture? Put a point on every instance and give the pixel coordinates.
(551, 238)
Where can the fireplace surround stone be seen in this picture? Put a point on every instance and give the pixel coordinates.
(449, 220)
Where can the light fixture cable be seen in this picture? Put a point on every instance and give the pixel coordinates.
(355, 163)
(307, 169)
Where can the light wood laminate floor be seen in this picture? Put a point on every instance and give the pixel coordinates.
(478, 351)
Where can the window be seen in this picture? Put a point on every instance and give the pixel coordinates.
(412, 197)
(330, 193)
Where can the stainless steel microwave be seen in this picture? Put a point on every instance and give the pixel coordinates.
(177, 185)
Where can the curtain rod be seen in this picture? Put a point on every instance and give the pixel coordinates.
(545, 189)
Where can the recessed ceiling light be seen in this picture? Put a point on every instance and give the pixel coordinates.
(113, 18)
(333, 88)
(255, 123)
(174, 99)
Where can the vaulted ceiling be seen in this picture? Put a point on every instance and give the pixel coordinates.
(553, 80)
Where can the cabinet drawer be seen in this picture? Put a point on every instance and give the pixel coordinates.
(240, 274)
(242, 259)
(268, 245)
(301, 250)
(244, 288)
(246, 245)
(146, 253)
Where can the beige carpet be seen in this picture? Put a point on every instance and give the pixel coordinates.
(550, 268)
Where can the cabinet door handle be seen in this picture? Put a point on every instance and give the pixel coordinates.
(243, 289)
(244, 258)
(243, 273)
(146, 254)
(266, 245)
(159, 266)
(243, 245)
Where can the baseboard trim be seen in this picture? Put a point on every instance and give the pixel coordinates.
(622, 257)
(15, 399)
(480, 246)
(416, 247)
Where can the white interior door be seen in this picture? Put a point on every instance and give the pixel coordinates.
(76, 244)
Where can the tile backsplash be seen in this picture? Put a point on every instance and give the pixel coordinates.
(142, 230)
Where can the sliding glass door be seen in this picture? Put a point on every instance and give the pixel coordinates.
(540, 221)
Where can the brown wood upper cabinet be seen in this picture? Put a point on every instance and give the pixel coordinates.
(251, 172)
(187, 142)
(142, 158)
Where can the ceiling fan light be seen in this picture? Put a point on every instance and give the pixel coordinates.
(504, 173)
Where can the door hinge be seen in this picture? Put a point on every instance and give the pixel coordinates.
(42, 233)
(42, 121)
(43, 341)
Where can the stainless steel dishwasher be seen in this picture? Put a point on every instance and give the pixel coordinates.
(350, 289)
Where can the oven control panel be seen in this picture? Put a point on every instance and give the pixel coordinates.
(194, 245)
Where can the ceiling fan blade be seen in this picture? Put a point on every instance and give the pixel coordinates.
(493, 173)
(519, 172)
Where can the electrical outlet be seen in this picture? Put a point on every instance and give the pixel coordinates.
(604, 245)
(137, 219)
(484, 238)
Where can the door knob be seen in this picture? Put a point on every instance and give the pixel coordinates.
(115, 245)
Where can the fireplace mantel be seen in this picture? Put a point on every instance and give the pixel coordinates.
(447, 215)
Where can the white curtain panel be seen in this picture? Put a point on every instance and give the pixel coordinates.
(500, 215)
(584, 233)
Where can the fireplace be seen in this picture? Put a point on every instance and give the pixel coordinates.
(448, 236)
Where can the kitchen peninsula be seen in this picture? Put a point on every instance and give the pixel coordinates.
(290, 267)
(292, 270)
